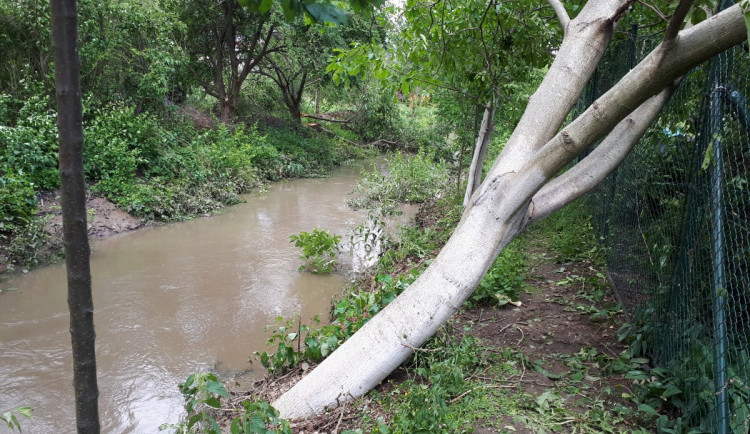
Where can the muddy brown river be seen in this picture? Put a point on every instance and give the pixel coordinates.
(170, 300)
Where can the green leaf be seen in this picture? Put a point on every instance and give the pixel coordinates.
(8, 418)
(326, 12)
(213, 402)
(708, 157)
(645, 408)
(265, 6)
(250, 4)
(290, 11)
(546, 373)
(217, 388)
(24, 410)
(746, 8)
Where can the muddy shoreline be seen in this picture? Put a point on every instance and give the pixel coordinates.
(104, 220)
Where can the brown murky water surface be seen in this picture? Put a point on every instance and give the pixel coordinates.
(170, 300)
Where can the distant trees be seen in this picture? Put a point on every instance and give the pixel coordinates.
(225, 43)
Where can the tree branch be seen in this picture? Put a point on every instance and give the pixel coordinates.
(676, 22)
(562, 14)
(653, 8)
(604, 159)
(321, 118)
(621, 11)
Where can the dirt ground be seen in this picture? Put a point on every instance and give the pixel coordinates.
(104, 217)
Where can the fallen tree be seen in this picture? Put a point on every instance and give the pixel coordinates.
(522, 186)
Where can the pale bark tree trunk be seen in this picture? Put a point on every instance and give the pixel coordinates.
(480, 150)
(510, 197)
(73, 195)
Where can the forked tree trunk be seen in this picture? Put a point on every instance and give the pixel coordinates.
(510, 197)
(73, 195)
(480, 150)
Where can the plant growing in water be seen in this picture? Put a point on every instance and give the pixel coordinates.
(10, 417)
(319, 250)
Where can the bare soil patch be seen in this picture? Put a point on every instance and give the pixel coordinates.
(104, 218)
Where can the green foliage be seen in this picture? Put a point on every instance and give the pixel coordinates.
(202, 392)
(29, 148)
(17, 202)
(679, 395)
(437, 375)
(315, 343)
(260, 418)
(128, 52)
(571, 234)
(504, 280)
(408, 178)
(10, 417)
(319, 250)
(29, 245)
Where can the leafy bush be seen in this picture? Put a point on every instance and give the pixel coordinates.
(17, 202)
(202, 392)
(505, 279)
(319, 250)
(30, 147)
(29, 245)
(413, 179)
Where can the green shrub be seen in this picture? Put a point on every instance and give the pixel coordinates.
(319, 250)
(30, 147)
(413, 179)
(17, 201)
(29, 245)
(504, 280)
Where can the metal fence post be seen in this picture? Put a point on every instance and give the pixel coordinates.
(717, 250)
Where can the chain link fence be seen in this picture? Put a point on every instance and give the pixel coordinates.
(675, 220)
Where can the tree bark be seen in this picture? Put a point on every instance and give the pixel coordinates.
(501, 208)
(480, 150)
(73, 197)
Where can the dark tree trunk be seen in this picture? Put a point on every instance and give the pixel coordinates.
(73, 196)
(227, 111)
(295, 112)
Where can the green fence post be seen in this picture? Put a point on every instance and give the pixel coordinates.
(717, 250)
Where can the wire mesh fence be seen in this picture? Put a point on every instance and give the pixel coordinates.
(675, 219)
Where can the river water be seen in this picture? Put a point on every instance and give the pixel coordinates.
(170, 301)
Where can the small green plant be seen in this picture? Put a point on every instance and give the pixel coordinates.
(503, 282)
(319, 250)
(260, 418)
(10, 417)
(202, 393)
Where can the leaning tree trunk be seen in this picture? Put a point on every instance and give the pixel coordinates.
(480, 150)
(510, 197)
(73, 196)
